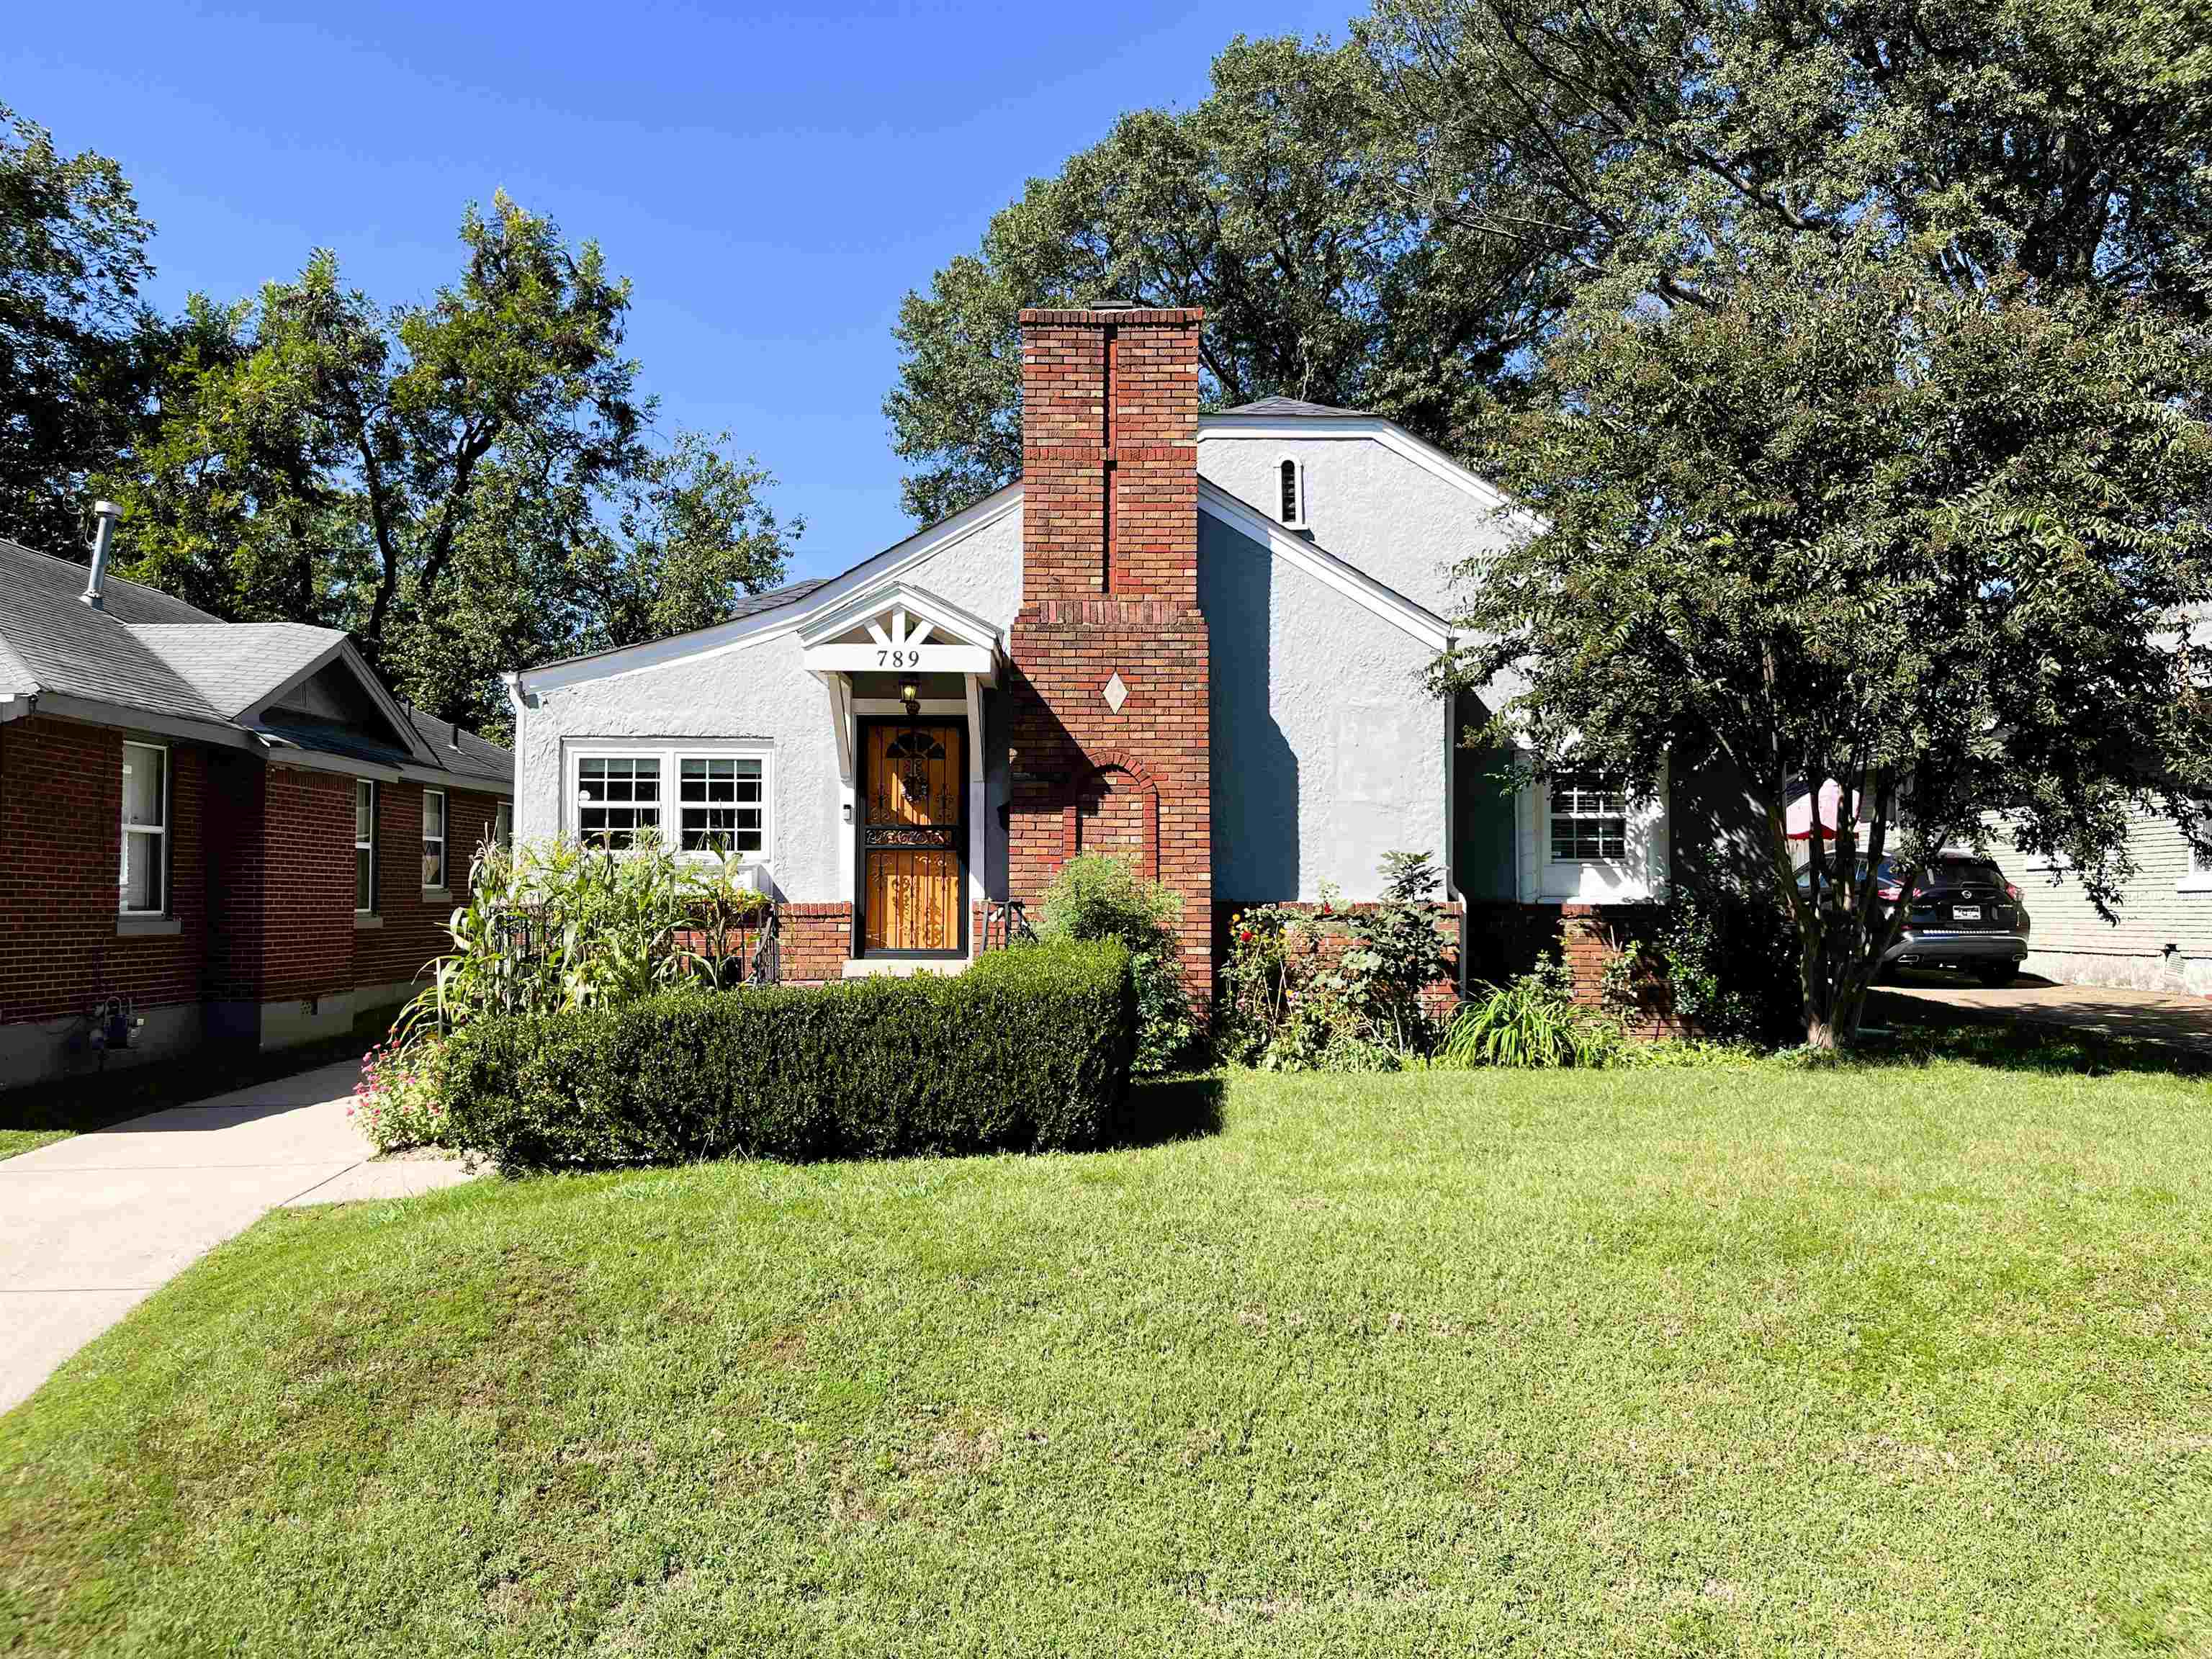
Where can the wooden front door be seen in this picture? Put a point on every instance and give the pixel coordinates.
(913, 837)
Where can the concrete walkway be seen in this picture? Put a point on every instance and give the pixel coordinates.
(2108, 1010)
(89, 1226)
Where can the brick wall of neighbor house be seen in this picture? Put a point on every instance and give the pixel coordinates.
(61, 815)
(412, 930)
(1110, 586)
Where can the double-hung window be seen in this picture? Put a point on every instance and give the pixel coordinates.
(364, 847)
(143, 876)
(618, 799)
(700, 797)
(1589, 820)
(433, 839)
(720, 804)
(503, 825)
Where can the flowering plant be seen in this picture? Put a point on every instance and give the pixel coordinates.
(399, 1101)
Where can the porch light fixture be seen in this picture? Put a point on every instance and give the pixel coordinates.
(911, 697)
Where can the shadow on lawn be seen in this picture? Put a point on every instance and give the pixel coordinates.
(1170, 1108)
(2017, 1046)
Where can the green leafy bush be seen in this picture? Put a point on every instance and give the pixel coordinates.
(1731, 962)
(399, 1102)
(1337, 989)
(1099, 896)
(1027, 1050)
(1532, 1021)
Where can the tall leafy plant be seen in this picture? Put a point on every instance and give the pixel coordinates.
(1099, 896)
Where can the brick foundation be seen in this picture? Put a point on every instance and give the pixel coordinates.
(1109, 588)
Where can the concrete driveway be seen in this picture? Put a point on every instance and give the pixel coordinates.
(2108, 1009)
(88, 1226)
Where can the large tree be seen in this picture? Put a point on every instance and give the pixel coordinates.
(1279, 203)
(464, 484)
(1870, 449)
(76, 342)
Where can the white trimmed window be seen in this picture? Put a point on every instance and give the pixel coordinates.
(617, 798)
(1589, 820)
(364, 846)
(700, 797)
(433, 839)
(720, 802)
(142, 875)
(1290, 488)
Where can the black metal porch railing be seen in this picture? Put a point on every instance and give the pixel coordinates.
(1006, 923)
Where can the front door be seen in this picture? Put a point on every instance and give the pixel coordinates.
(913, 837)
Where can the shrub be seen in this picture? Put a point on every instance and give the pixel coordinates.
(1027, 1050)
(399, 1101)
(1098, 895)
(1288, 1002)
(1532, 1022)
(1729, 960)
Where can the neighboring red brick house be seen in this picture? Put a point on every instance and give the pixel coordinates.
(215, 831)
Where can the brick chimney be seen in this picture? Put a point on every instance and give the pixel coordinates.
(1110, 724)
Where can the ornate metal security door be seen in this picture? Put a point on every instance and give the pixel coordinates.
(914, 839)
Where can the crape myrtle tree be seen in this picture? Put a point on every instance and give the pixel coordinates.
(1870, 448)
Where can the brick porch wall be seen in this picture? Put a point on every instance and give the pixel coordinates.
(1505, 940)
(1439, 998)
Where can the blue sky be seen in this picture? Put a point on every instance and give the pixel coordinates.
(772, 180)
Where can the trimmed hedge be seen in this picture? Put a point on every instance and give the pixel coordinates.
(1027, 1050)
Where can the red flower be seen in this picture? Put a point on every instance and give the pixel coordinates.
(1244, 933)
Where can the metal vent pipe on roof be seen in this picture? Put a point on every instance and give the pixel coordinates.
(104, 513)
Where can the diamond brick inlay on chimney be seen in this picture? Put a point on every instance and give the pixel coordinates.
(1109, 588)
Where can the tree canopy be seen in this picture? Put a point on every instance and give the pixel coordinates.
(1870, 448)
(465, 485)
(1279, 203)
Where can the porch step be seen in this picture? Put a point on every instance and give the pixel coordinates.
(902, 967)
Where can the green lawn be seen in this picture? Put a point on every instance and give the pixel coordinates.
(1892, 1359)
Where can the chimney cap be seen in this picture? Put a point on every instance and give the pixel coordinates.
(1114, 302)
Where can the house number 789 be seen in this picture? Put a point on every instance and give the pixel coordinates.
(911, 659)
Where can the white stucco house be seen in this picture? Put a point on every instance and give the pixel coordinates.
(1198, 638)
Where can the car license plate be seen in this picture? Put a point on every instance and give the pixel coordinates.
(1965, 913)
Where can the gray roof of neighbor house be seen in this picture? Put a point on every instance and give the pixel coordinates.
(1299, 407)
(143, 650)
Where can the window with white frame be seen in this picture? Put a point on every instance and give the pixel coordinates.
(433, 839)
(143, 876)
(1589, 820)
(503, 825)
(718, 803)
(1291, 478)
(364, 846)
(618, 799)
(621, 797)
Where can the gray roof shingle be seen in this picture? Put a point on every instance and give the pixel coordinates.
(147, 651)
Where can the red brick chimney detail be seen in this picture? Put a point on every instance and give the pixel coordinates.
(1109, 586)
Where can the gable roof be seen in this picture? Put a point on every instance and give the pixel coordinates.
(1300, 409)
(143, 653)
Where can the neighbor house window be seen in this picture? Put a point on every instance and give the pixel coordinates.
(142, 883)
(619, 798)
(364, 846)
(1589, 820)
(1292, 478)
(502, 824)
(720, 804)
(433, 839)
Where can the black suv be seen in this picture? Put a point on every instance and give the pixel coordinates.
(1964, 914)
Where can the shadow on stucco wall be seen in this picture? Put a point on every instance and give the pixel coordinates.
(1256, 772)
